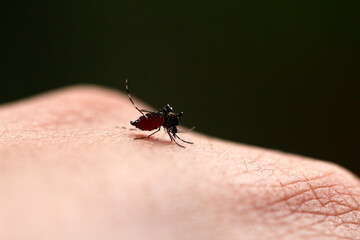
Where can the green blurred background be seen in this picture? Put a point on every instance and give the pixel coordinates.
(277, 74)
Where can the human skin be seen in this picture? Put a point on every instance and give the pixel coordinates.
(69, 170)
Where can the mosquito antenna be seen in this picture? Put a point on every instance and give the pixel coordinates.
(187, 130)
(127, 90)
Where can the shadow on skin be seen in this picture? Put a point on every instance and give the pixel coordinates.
(154, 139)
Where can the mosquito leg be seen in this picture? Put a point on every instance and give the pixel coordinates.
(143, 110)
(183, 139)
(173, 139)
(150, 134)
(127, 90)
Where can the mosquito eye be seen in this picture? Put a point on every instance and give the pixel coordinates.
(169, 108)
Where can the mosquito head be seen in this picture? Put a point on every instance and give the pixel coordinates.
(167, 109)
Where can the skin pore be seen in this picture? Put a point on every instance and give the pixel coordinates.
(69, 170)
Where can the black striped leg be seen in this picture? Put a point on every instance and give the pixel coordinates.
(128, 92)
(173, 140)
(143, 110)
(183, 139)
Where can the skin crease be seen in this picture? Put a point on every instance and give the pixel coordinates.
(69, 170)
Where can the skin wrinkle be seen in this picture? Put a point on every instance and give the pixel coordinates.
(329, 209)
(232, 188)
(309, 190)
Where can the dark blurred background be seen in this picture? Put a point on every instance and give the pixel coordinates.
(277, 74)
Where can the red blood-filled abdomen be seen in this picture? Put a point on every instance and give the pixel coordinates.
(152, 122)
